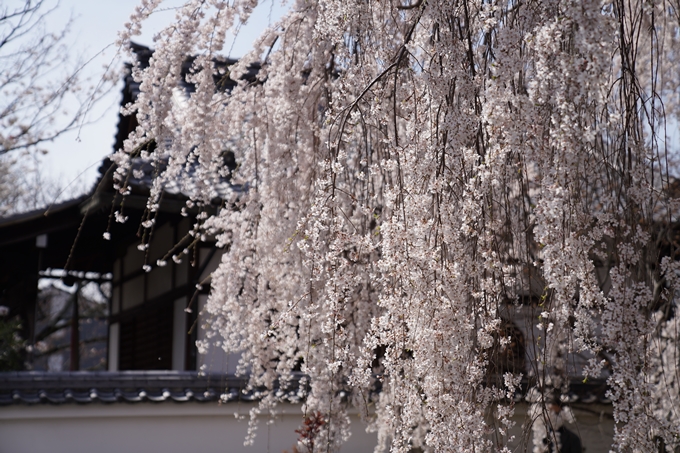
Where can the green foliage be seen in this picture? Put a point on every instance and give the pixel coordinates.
(12, 345)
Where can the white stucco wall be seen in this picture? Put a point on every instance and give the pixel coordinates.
(147, 427)
(210, 427)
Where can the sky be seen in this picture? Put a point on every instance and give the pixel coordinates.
(73, 159)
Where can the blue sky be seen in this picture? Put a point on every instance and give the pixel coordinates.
(73, 158)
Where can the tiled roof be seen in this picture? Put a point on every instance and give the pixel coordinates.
(82, 387)
(188, 184)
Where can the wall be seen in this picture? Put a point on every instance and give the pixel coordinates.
(147, 427)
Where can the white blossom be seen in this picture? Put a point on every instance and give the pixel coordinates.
(409, 171)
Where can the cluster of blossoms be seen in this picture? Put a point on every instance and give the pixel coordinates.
(417, 171)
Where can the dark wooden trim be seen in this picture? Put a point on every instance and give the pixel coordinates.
(173, 278)
(191, 360)
(140, 202)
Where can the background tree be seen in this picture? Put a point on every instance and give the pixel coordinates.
(42, 95)
(25, 185)
(408, 175)
(36, 80)
(11, 344)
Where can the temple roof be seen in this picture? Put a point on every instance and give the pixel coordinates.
(84, 387)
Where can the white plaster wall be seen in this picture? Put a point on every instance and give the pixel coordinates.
(147, 427)
(210, 427)
(215, 360)
(114, 341)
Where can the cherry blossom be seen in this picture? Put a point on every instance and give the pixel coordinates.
(413, 175)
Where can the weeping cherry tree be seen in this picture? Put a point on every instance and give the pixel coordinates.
(409, 173)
